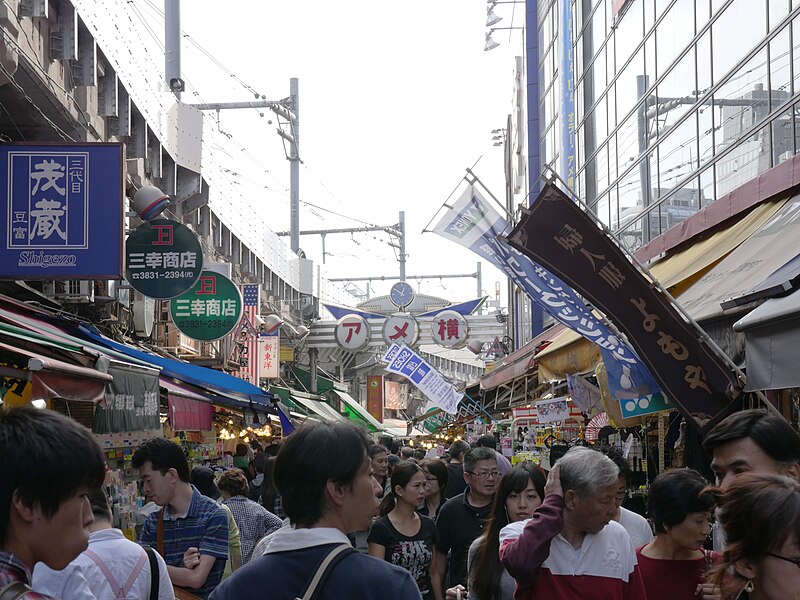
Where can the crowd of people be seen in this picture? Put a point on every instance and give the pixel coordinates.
(334, 515)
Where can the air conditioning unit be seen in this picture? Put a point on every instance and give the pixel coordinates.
(77, 292)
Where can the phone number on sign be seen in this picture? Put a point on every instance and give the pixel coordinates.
(204, 323)
(163, 275)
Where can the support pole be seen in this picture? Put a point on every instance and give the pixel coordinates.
(294, 168)
(172, 44)
(402, 243)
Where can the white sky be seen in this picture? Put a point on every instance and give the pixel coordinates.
(396, 100)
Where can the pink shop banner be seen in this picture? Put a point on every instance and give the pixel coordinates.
(189, 415)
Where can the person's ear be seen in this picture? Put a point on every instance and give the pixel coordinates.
(792, 471)
(570, 500)
(745, 569)
(335, 492)
(26, 513)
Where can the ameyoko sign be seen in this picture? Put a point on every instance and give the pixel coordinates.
(208, 311)
(163, 259)
(61, 211)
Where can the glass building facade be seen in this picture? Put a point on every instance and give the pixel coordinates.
(674, 102)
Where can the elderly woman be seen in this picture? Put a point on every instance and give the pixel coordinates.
(760, 515)
(254, 521)
(674, 565)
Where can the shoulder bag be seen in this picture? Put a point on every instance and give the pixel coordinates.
(155, 573)
(180, 593)
(14, 591)
(333, 558)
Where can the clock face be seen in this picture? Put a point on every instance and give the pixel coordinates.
(401, 294)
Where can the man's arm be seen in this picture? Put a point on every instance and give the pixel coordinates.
(524, 555)
(437, 576)
(634, 589)
(192, 578)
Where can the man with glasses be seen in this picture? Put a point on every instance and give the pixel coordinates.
(572, 547)
(461, 518)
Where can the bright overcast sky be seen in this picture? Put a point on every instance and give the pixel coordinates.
(396, 100)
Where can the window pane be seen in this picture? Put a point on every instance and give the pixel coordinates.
(737, 30)
(779, 72)
(626, 84)
(676, 92)
(674, 33)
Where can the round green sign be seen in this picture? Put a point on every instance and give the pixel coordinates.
(208, 311)
(163, 259)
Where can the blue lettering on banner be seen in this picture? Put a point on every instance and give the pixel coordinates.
(62, 217)
(418, 375)
(625, 370)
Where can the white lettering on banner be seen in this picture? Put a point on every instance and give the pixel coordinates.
(198, 308)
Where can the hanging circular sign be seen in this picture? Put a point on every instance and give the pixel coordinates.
(208, 311)
(352, 332)
(163, 259)
(400, 328)
(450, 329)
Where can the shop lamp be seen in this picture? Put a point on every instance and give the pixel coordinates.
(39, 403)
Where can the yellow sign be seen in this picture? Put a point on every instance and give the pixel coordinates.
(287, 354)
(18, 394)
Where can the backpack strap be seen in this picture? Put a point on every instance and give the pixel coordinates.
(14, 591)
(154, 572)
(120, 592)
(333, 558)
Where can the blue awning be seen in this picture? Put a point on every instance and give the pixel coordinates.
(200, 376)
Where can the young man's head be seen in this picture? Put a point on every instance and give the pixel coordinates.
(406, 452)
(624, 474)
(457, 451)
(753, 441)
(589, 482)
(324, 475)
(163, 467)
(48, 464)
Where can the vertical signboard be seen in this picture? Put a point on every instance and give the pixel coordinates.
(375, 396)
(61, 211)
(269, 352)
(567, 77)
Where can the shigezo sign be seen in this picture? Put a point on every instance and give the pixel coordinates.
(163, 259)
(211, 309)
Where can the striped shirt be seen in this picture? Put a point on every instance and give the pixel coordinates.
(205, 526)
(254, 522)
(12, 569)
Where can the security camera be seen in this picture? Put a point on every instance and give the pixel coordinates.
(176, 84)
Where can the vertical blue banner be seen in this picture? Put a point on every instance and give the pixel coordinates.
(567, 79)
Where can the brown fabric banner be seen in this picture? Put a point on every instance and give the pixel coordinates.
(560, 236)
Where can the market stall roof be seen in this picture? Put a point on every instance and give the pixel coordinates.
(520, 361)
(772, 332)
(316, 405)
(357, 412)
(215, 381)
(399, 428)
(53, 378)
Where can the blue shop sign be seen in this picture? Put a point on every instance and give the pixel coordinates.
(61, 211)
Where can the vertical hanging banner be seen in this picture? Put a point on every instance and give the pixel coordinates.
(269, 352)
(403, 361)
(61, 211)
(473, 223)
(249, 358)
(562, 237)
(375, 396)
(567, 79)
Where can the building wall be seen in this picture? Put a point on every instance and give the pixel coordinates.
(674, 99)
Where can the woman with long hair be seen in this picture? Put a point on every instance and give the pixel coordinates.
(403, 537)
(674, 565)
(435, 482)
(519, 493)
(760, 515)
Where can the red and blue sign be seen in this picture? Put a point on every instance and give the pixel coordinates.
(61, 211)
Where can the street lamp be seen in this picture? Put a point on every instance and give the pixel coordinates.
(491, 17)
(490, 43)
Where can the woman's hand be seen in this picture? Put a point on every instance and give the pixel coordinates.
(708, 591)
(458, 592)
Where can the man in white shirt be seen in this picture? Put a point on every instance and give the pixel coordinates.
(635, 524)
(111, 567)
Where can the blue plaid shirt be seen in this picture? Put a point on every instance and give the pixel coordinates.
(205, 527)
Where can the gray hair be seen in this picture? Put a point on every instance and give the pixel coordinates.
(476, 454)
(584, 470)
